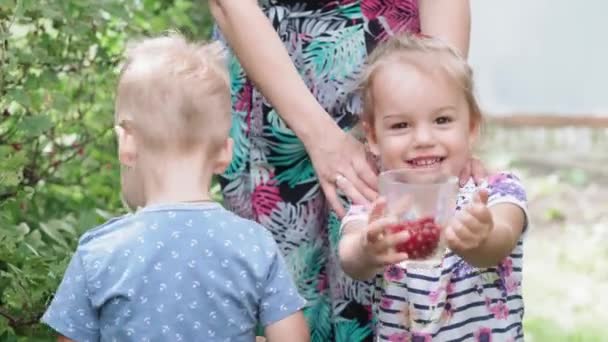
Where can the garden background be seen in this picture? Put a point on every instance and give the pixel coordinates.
(541, 77)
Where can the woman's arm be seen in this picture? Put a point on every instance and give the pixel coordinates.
(449, 20)
(267, 63)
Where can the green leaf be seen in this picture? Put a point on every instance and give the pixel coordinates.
(33, 126)
(52, 230)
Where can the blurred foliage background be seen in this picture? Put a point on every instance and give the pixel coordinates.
(58, 172)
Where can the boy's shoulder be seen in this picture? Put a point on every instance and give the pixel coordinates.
(211, 220)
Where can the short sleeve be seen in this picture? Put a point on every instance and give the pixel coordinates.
(507, 188)
(71, 313)
(280, 297)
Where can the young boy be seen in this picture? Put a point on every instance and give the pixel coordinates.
(181, 268)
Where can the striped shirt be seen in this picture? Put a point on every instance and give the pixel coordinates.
(456, 301)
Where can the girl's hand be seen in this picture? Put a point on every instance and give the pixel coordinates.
(471, 226)
(341, 161)
(378, 242)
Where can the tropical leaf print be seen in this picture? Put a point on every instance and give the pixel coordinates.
(395, 16)
(318, 316)
(237, 197)
(305, 264)
(265, 198)
(289, 152)
(240, 151)
(350, 331)
(271, 178)
(237, 77)
(336, 54)
(333, 226)
(293, 224)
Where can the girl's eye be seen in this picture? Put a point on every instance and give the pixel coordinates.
(399, 125)
(442, 120)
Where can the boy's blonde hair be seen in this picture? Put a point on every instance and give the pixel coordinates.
(417, 49)
(174, 94)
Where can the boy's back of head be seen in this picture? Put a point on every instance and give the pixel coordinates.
(175, 95)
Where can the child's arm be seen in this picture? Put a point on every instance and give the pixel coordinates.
(280, 304)
(367, 246)
(62, 338)
(484, 236)
(293, 328)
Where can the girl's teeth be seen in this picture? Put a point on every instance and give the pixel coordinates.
(425, 162)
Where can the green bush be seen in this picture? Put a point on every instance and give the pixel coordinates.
(58, 171)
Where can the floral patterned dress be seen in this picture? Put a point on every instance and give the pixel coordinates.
(271, 178)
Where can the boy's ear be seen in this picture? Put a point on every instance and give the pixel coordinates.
(224, 157)
(127, 149)
(372, 141)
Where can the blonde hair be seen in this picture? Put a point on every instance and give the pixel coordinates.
(413, 49)
(175, 94)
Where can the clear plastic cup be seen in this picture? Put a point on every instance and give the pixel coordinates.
(424, 202)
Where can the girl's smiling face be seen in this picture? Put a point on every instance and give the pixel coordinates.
(421, 118)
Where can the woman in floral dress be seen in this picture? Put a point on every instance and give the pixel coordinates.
(293, 70)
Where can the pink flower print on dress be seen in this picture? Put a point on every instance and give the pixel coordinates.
(506, 267)
(500, 310)
(434, 295)
(394, 273)
(511, 284)
(399, 337)
(483, 335)
(449, 289)
(386, 303)
(499, 177)
(421, 337)
(265, 198)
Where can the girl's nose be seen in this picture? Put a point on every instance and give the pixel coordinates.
(423, 136)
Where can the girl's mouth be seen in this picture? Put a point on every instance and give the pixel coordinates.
(425, 162)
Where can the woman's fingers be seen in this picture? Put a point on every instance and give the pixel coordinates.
(350, 191)
(478, 170)
(367, 174)
(332, 197)
(353, 177)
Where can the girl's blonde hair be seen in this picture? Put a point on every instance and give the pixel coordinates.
(411, 49)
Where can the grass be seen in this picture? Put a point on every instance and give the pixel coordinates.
(541, 330)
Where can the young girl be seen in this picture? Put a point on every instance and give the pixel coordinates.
(420, 113)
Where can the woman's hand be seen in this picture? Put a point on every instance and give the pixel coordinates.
(473, 169)
(340, 161)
